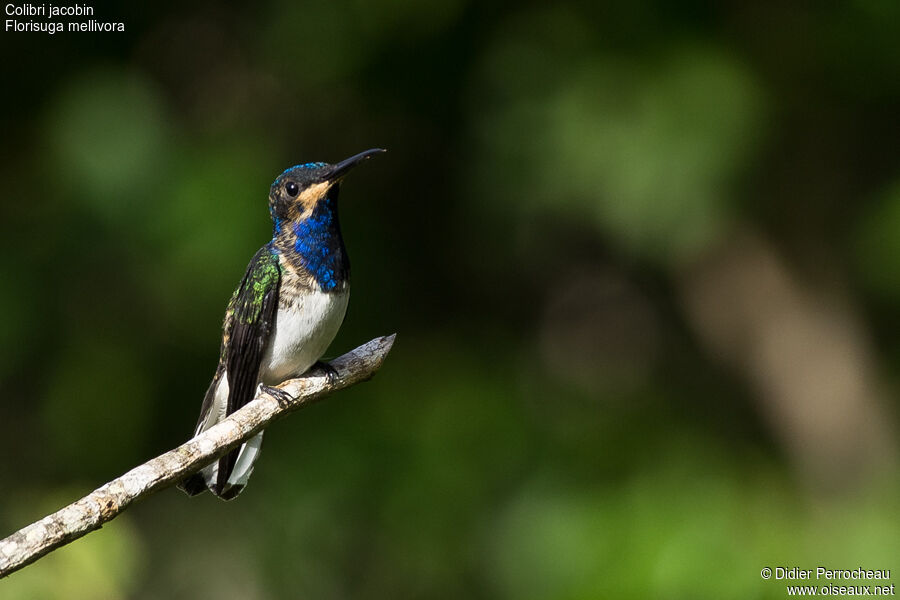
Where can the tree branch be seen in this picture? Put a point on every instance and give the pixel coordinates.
(106, 502)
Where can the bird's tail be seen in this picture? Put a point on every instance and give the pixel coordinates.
(227, 476)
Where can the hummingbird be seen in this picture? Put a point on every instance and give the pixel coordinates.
(284, 313)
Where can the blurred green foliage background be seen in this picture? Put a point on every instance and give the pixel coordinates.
(643, 259)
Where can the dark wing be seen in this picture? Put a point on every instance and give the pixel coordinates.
(251, 316)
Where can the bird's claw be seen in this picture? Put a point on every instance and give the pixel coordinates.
(330, 371)
(280, 395)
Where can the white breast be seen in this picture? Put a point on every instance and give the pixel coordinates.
(301, 335)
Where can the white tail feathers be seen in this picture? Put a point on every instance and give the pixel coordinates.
(247, 453)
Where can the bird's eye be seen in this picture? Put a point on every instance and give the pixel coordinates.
(291, 188)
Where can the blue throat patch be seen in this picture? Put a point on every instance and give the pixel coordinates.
(320, 246)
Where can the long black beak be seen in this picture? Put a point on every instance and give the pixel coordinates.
(341, 168)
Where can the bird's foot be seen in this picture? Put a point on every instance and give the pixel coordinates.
(280, 395)
(330, 372)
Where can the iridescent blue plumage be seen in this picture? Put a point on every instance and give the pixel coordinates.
(307, 230)
(309, 165)
(320, 246)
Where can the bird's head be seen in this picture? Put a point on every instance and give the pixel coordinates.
(295, 193)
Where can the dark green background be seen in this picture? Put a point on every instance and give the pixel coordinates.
(643, 260)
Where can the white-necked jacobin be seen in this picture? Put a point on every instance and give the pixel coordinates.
(285, 312)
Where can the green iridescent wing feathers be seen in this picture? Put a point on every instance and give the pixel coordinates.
(248, 324)
(251, 315)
